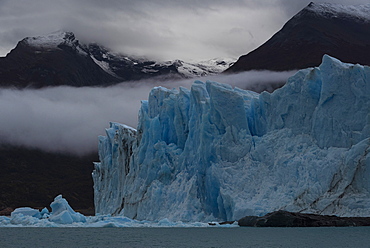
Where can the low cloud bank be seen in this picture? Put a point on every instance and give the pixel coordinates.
(67, 119)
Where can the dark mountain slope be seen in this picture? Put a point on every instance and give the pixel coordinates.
(30, 177)
(339, 31)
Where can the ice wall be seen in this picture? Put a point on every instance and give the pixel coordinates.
(109, 175)
(214, 152)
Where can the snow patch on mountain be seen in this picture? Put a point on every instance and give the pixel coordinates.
(104, 65)
(361, 12)
(52, 40)
(205, 68)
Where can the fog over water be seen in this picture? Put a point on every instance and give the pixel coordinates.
(67, 119)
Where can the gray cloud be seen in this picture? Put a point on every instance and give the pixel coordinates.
(162, 29)
(66, 119)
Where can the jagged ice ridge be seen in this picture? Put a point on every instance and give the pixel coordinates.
(214, 152)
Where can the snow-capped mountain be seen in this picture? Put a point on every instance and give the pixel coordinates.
(52, 41)
(204, 68)
(52, 60)
(214, 152)
(122, 66)
(341, 31)
(60, 59)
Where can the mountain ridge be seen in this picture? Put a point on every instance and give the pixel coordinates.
(60, 59)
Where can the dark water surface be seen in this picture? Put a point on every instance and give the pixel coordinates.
(185, 237)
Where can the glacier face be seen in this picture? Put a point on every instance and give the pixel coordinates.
(214, 152)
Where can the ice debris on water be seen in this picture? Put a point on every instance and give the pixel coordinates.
(62, 215)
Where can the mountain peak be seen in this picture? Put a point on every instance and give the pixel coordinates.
(341, 31)
(52, 40)
(334, 10)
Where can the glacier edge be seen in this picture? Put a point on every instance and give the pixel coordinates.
(214, 152)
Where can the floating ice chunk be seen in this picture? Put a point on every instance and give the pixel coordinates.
(4, 221)
(26, 211)
(62, 213)
(20, 220)
(45, 213)
(24, 220)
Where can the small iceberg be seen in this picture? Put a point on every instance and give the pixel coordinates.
(61, 213)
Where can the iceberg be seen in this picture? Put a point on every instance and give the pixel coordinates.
(61, 213)
(220, 153)
(27, 211)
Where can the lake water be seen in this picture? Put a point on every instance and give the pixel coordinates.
(357, 237)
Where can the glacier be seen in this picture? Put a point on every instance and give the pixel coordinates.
(220, 153)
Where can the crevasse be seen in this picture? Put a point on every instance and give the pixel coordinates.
(214, 152)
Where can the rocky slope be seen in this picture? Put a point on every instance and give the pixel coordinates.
(337, 30)
(290, 219)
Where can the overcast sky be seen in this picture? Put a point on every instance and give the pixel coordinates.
(159, 29)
